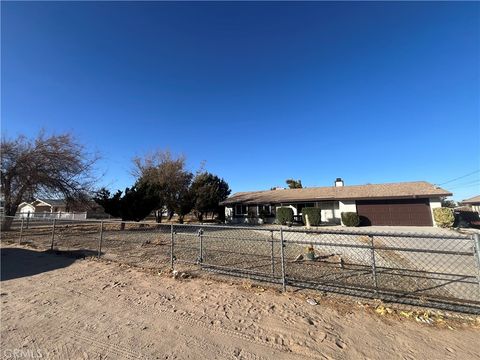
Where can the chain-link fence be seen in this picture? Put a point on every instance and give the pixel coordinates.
(435, 269)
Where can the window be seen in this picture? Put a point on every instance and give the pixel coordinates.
(240, 209)
(304, 205)
(265, 209)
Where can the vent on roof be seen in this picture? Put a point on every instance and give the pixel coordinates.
(338, 182)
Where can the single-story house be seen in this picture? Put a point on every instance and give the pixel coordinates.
(42, 206)
(403, 204)
(58, 208)
(473, 203)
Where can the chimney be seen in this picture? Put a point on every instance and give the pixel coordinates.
(338, 182)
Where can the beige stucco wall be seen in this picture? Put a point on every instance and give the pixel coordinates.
(347, 206)
(434, 203)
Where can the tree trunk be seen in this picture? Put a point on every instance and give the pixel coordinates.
(7, 219)
(180, 219)
(122, 226)
(170, 215)
(6, 223)
(158, 216)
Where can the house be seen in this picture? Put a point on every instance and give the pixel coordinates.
(42, 206)
(404, 203)
(58, 208)
(473, 203)
(48, 208)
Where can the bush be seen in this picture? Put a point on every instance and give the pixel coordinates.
(444, 217)
(284, 215)
(466, 218)
(314, 216)
(350, 219)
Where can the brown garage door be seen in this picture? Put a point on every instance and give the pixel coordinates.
(411, 212)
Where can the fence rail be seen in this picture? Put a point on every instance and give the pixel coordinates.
(434, 269)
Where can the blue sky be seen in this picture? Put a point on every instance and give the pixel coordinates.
(370, 92)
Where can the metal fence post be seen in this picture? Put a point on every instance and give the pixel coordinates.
(21, 232)
(374, 265)
(282, 253)
(172, 240)
(476, 245)
(200, 254)
(53, 234)
(272, 253)
(100, 241)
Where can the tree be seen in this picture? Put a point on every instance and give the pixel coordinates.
(47, 166)
(448, 203)
(168, 176)
(110, 204)
(184, 205)
(208, 191)
(294, 184)
(135, 204)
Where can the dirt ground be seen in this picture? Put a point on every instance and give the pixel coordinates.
(65, 307)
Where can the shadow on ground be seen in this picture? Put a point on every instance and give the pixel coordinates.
(17, 263)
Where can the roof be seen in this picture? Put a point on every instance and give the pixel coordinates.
(53, 202)
(400, 190)
(472, 200)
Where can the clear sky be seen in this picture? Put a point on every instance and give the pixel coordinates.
(370, 92)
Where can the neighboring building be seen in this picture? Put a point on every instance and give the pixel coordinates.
(48, 208)
(43, 206)
(473, 203)
(405, 203)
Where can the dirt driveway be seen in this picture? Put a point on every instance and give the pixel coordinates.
(59, 307)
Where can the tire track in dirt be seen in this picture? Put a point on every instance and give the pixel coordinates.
(77, 317)
(188, 320)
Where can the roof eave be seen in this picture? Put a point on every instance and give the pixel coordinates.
(251, 202)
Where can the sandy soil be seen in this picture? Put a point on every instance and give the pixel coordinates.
(62, 307)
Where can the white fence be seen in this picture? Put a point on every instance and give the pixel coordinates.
(53, 215)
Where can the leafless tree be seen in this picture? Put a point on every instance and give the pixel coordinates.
(48, 166)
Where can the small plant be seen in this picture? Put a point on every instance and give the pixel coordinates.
(263, 214)
(444, 217)
(350, 219)
(314, 216)
(284, 215)
(310, 254)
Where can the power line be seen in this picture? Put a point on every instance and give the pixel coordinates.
(467, 184)
(460, 177)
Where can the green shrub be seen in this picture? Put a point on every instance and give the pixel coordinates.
(314, 216)
(444, 217)
(284, 215)
(350, 219)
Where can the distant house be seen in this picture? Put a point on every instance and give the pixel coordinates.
(404, 203)
(473, 203)
(43, 206)
(48, 208)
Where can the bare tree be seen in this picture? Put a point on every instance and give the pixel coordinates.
(48, 166)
